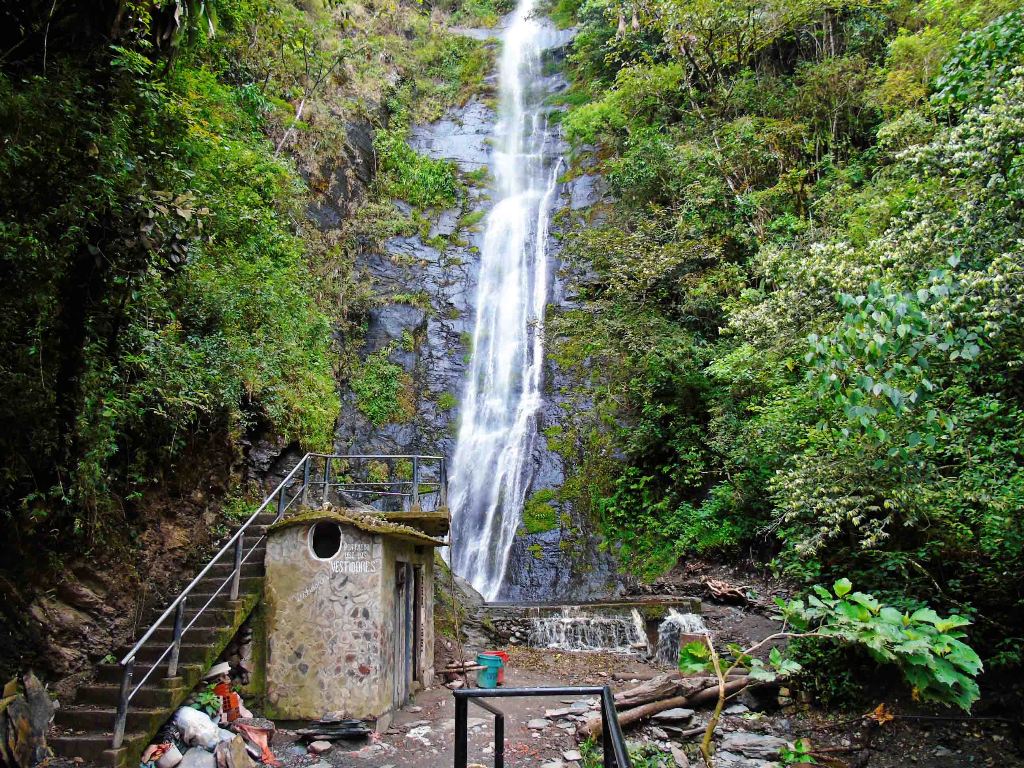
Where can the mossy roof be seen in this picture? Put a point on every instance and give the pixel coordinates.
(361, 520)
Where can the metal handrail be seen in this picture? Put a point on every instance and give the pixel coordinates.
(237, 544)
(615, 753)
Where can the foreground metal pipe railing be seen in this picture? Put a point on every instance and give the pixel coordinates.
(615, 753)
(316, 471)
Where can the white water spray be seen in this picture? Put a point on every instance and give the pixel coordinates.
(574, 629)
(674, 631)
(491, 468)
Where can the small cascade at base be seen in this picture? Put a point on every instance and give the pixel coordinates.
(676, 630)
(573, 629)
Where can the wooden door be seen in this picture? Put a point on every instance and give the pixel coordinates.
(417, 623)
(403, 633)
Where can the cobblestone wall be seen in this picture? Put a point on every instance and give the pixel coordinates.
(330, 624)
(326, 632)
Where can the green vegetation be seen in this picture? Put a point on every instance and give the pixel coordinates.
(420, 300)
(482, 13)
(156, 290)
(927, 649)
(471, 219)
(407, 175)
(449, 611)
(382, 389)
(804, 331)
(539, 515)
(446, 401)
(449, 69)
(640, 755)
(165, 293)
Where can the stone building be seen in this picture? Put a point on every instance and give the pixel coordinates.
(349, 601)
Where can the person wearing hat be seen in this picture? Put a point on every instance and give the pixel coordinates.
(231, 706)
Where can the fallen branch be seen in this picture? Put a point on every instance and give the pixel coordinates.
(725, 592)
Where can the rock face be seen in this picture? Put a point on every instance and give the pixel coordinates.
(566, 562)
(60, 623)
(422, 320)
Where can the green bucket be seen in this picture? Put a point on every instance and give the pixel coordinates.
(488, 676)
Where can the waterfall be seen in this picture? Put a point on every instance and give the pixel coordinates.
(573, 629)
(491, 467)
(674, 632)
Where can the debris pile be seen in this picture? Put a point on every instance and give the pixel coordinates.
(195, 738)
(239, 655)
(217, 731)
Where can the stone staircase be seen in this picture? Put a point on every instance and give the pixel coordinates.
(85, 729)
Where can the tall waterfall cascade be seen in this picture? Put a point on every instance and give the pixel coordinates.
(575, 629)
(492, 468)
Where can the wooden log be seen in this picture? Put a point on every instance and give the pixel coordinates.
(662, 687)
(626, 677)
(591, 728)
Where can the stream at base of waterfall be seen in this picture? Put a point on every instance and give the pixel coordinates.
(503, 391)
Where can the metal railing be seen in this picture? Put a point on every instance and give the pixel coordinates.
(410, 482)
(615, 753)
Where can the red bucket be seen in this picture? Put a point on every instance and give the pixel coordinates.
(504, 663)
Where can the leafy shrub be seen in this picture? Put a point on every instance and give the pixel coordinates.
(755, 184)
(980, 62)
(597, 119)
(838, 676)
(407, 175)
(486, 13)
(926, 648)
(381, 389)
(645, 171)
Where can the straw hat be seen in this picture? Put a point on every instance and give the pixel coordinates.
(224, 668)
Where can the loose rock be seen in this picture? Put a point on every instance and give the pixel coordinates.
(674, 715)
(680, 758)
(319, 747)
(753, 744)
(197, 757)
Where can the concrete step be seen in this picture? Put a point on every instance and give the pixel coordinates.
(189, 653)
(249, 568)
(110, 674)
(210, 583)
(101, 719)
(95, 747)
(222, 607)
(194, 636)
(150, 696)
(84, 729)
(253, 541)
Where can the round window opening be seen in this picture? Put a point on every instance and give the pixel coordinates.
(325, 540)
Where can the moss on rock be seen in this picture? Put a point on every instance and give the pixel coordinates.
(539, 515)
